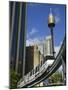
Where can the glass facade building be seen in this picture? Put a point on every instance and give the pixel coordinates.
(17, 40)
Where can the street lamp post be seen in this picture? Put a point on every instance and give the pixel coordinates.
(51, 25)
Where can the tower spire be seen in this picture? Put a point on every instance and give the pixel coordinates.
(51, 19)
(50, 10)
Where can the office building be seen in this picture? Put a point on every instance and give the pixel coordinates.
(17, 30)
(48, 46)
(32, 58)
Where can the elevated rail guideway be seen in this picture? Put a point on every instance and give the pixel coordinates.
(43, 71)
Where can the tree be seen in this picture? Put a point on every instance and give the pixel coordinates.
(14, 78)
(56, 77)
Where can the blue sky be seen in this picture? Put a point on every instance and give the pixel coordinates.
(37, 22)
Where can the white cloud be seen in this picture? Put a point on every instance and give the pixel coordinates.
(33, 31)
(33, 41)
(39, 41)
(29, 42)
(57, 19)
(57, 15)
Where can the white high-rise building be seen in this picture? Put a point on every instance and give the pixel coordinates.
(48, 46)
(40, 47)
(48, 49)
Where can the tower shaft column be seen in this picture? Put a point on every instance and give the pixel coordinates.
(52, 37)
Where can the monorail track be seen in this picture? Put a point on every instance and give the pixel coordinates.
(46, 72)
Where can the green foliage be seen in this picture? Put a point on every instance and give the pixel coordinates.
(14, 78)
(56, 77)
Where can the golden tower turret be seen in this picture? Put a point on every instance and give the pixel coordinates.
(51, 20)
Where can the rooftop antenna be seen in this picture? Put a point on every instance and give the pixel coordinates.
(50, 10)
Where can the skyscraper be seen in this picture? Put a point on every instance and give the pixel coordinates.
(48, 46)
(17, 30)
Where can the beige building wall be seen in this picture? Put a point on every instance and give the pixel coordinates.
(37, 59)
(36, 56)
